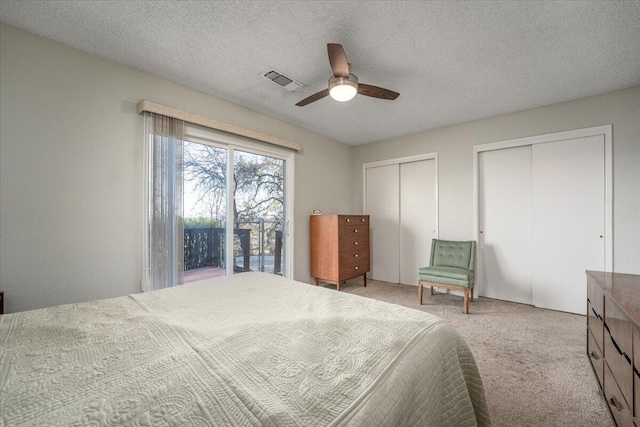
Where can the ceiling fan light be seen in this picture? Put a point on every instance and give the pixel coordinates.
(343, 89)
(343, 92)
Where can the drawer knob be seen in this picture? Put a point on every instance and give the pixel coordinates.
(355, 243)
(594, 355)
(355, 231)
(356, 268)
(348, 220)
(614, 402)
(356, 255)
(362, 219)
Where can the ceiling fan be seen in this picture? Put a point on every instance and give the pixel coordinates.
(343, 85)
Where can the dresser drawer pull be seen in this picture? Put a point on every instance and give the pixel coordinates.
(348, 220)
(355, 231)
(614, 402)
(594, 355)
(355, 243)
(356, 255)
(362, 219)
(357, 268)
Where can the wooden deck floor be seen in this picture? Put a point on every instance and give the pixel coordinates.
(202, 274)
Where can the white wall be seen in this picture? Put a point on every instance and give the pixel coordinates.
(454, 146)
(71, 171)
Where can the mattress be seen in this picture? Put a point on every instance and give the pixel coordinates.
(243, 350)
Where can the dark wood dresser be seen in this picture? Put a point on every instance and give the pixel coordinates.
(339, 248)
(613, 341)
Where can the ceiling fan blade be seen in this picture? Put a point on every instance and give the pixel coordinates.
(338, 60)
(377, 92)
(313, 98)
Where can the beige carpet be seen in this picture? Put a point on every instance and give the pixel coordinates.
(533, 362)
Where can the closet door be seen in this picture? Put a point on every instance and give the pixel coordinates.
(504, 256)
(383, 195)
(568, 220)
(418, 212)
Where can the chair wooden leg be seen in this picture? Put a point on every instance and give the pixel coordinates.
(431, 287)
(466, 300)
(472, 294)
(420, 292)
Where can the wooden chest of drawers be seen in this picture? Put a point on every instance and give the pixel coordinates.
(613, 341)
(339, 248)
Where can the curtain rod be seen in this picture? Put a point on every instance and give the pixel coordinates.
(153, 107)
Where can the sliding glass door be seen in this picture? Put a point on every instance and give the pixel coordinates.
(258, 212)
(205, 211)
(234, 191)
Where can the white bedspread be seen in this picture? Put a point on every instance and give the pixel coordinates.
(250, 349)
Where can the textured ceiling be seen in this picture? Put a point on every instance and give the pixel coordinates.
(452, 62)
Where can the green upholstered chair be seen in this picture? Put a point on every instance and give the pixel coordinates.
(451, 267)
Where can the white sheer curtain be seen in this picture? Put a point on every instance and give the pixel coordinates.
(164, 227)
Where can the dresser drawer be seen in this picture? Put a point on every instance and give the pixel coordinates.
(595, 311)
(618, 348)
(595, 325)
(349, 231)
(619, 408)
(636, 373)
(353, 220)
(353, 242)
(348, 271)
(356, 255)
(620, 328)
(595, 356)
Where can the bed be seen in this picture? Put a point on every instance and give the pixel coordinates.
(248, 349)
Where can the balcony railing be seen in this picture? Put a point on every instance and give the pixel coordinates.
(256, 247)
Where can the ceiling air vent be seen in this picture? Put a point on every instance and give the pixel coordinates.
(281, 80)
